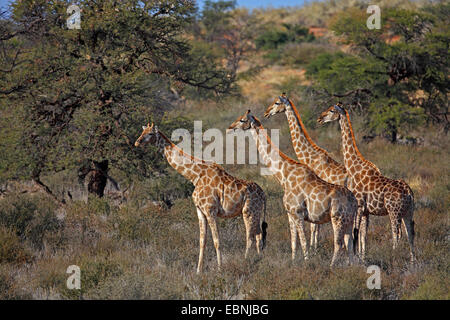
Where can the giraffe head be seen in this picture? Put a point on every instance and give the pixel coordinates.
(279, 105)
(333, 113)
(245, 122)
(149, 134)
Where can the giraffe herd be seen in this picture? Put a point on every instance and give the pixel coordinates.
(317, 188)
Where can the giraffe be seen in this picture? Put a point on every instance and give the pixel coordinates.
(376, 194)
(307, 152)
(216, 194)
(306, 196)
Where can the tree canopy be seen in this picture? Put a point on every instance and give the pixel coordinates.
(400, 71)
(72, 99)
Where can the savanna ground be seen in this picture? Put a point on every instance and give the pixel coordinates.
(142, 250)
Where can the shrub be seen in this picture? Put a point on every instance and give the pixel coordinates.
(32, 219)
(300, 293)
(136, 224)
(272, 39)
(434, 287)
(11, 249)
(166, 188)
(301, 53)
(93, 273)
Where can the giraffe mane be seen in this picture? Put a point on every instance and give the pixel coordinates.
(308, 138)
(281, 153)
(354, 143)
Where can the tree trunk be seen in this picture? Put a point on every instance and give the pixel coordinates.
(394, 135)
(98, 178)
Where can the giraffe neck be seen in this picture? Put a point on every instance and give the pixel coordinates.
(274, 159)
(352, 156)
(305, 149)
(185, 164)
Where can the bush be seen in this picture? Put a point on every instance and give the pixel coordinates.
(390, 115)
(297, 54)
(166, 188)
(11, 249)
(134, 224)
(300, 293)
(93, 273)
(272, 39)
(32, 219)
(434, 287)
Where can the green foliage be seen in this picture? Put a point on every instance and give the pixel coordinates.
(135, 224)
(300, 293)
(434, 287)
(273, 38)
(227, 34)
(390, 115)
(299, 54)
(340, 72)
(94, 272)
(32, 220)
(84, 94)
(215, 17)
(399, 71)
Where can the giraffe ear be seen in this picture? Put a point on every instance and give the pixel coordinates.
(252, 119)
(156, 128)
(339, 109)
(284, 98)
(144, 127)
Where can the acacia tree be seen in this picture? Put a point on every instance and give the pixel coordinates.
(400, 72)
(75, 99)
(229, 31)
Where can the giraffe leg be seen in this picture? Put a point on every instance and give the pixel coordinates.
(338, 231)
(348, 239)
(301, 234)
(364, 226)
(360, 224)
(396, 226)
(259, 243)
(248, 242)
(410, 233)
(314, 236)
(293, 231)
(203, 231)
(256, 232)
(215, 235)
(252, 215)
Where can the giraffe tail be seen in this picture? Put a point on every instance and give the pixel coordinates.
(356, 224)
(355, 239)
(264, 226)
